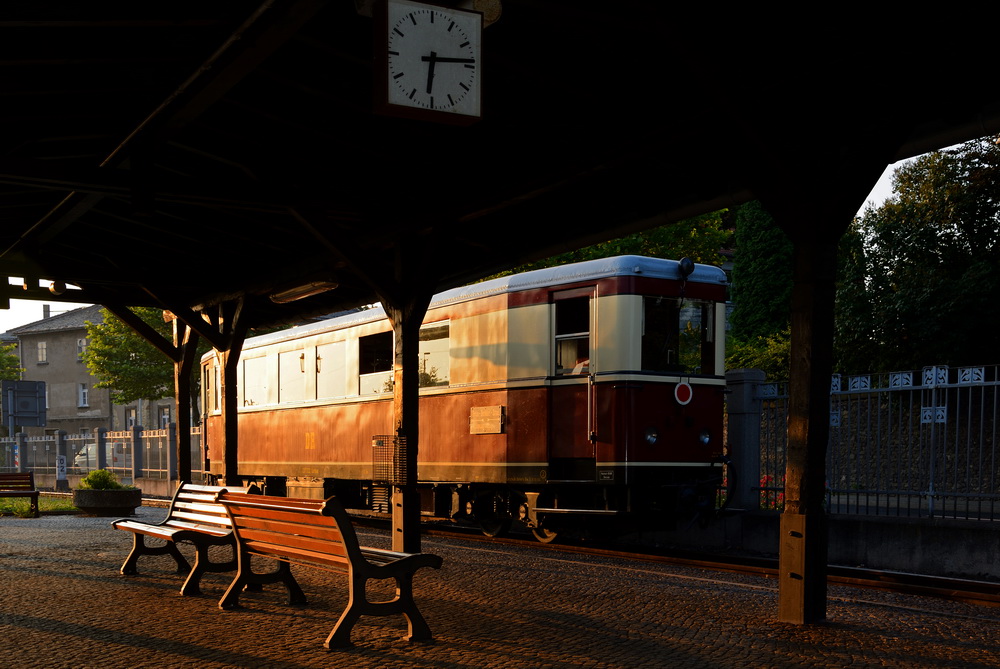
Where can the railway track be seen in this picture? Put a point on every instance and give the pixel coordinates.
(983, 593)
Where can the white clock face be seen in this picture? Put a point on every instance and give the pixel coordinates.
(433, 58)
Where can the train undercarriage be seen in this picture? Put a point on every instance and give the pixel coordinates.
(578, 509)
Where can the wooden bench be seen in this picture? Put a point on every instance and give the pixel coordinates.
(20, 485)
(193, 516)
(318, 533)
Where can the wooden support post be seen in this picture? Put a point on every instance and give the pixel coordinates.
(229, 343)
(406, 319)
(803, 547)
(185, 340)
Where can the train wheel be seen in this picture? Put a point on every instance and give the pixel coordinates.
(544, 535)
(488, 511)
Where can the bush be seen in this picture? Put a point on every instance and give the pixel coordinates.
(101, 479)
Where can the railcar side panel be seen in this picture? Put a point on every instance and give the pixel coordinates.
(556, 391)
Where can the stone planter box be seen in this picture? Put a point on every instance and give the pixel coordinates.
(107, 502)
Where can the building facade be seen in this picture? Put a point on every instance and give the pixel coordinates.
(51, 350)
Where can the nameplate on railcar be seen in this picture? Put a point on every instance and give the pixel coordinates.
(486, 420)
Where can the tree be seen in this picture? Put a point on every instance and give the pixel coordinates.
(760, 334)
(930, 264)
(855, 347)
(10, 363)
(124, 362)
(762, 275)
(699, 238)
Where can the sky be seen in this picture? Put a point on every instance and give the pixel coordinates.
(22, 312)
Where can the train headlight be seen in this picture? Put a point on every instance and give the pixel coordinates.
(652, 436)
(705, 437)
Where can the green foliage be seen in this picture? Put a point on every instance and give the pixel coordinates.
(21, 508)
(127, 364)
(925, 267)
(855, 347)
(102, 479)
(762, 276)
(699, 238)
(10, 363)
(770, 353)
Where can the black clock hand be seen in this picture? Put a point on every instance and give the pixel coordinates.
(432, 59)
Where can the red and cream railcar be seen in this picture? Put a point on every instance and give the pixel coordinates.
(592, 389)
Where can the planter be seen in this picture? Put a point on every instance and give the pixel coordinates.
(107, 502)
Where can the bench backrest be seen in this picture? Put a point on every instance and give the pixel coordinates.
(17, 481)
(318, 532)
(195, 504)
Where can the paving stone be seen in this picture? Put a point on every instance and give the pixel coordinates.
(64, 604)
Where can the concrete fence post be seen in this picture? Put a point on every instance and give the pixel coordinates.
(743, 410)
(137, 452)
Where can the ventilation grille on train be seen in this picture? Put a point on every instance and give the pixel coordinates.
(389, 459)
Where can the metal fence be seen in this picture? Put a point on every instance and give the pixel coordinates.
(921, 444)
(129, 454)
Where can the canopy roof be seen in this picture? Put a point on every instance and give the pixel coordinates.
(187, 153)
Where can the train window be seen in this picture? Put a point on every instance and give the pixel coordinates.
(435, 354)
(573, 335)
(375, 363)
(331, 370)
(255, 381)
(677, 336)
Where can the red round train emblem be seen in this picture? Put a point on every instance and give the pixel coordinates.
(683, 393)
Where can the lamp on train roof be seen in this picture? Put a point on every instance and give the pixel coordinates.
(302, 291)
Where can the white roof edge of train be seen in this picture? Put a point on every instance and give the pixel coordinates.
(587, 270)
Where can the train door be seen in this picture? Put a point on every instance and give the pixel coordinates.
(572, 455)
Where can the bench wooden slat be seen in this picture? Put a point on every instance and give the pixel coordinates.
(319, 534)
(324, 532)
(21, 484)
(294, 542)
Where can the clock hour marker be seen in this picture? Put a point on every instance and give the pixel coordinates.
(397, 76)
(412, 93)
(414, 19)
(398, 32)
(450, 26)
(464, 87)
(432, 102)
(451, 103)
(463, 45)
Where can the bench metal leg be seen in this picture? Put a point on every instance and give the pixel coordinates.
(359, 605)
(139, 547)
(248, 579)
(202, 565)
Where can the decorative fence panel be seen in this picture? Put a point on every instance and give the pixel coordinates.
(920, 444)
(130, 454)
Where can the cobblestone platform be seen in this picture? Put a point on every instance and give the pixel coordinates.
(64, 604)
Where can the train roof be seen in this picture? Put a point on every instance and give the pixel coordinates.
(587, 270)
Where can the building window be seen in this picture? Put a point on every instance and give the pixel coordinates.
(164, 417)
(43, 353)
(84, 395)
(81, 348)
(131, 418)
